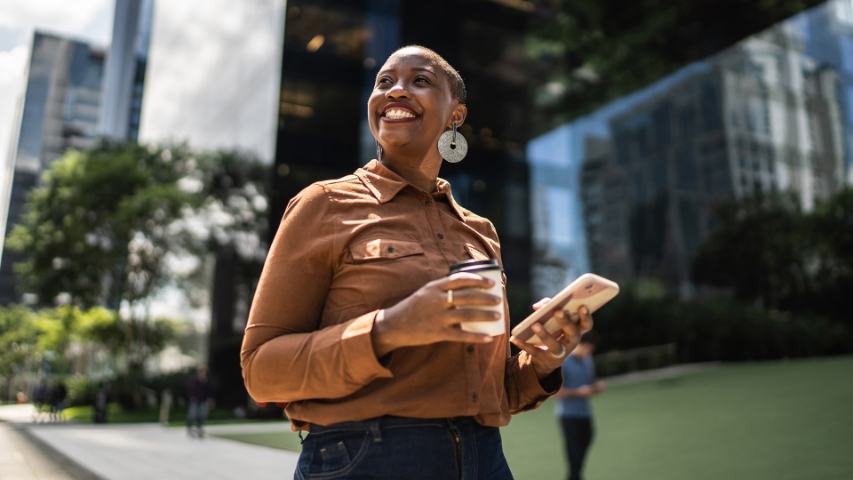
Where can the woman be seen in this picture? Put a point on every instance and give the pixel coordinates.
(355, 322)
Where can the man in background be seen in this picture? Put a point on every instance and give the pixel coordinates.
(199, 400)
(573, 407)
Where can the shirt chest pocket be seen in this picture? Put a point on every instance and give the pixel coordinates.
(379, 249)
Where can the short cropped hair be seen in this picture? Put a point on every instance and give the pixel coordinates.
(457, 85)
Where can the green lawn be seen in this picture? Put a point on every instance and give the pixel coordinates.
(774, 420)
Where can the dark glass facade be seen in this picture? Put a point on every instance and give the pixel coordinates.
(332, 52)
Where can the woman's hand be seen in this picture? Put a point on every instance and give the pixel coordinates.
(555, 347)
(425, 317)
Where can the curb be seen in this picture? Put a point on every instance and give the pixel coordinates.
(72, 467)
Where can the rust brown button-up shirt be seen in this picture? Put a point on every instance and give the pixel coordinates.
(345, 249)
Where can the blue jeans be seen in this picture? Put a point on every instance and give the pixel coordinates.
(405, 448)
(196, 414)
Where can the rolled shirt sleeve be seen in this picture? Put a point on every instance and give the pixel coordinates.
(286, 356)
(524, 389)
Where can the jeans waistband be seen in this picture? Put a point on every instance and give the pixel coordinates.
(393, 422)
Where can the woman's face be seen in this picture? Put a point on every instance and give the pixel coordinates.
(411, 104)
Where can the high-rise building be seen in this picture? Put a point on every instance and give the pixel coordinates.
(124, 72)
(60, 111)
(65, 106)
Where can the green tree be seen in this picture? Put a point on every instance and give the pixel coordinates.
(19, 339)
(97, 232)
(588, 52)
(832, 226)
(97, 229)
(765, 249)
(762, 249)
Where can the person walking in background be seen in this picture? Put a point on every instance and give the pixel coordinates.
(102, 399)
(573, 407)
(58, 397)
(199, 400)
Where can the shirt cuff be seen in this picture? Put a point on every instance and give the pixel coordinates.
(535, 391)
(360, 363)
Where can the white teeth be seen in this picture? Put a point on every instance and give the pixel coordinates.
(396, 113)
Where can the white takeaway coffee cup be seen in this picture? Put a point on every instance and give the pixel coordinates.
(492, 270)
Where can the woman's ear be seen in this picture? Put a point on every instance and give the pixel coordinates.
(460, 112)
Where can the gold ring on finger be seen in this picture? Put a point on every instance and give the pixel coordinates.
(450, 298)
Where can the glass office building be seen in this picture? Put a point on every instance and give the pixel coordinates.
(60, 111)
(627, 190)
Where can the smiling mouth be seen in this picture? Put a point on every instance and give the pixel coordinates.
(394, 113)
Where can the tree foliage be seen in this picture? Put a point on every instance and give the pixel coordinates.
(97, 228)
(60, 339)
(589, 52)
(113, 225)
(766, 250)
(19, 339)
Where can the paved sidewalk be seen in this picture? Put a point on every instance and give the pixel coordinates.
(21, 460)
(145, 451)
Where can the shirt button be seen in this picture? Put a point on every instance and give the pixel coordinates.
(469, 349)
(474, 396)
(440, 236)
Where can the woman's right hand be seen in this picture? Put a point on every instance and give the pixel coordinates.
(425, 317)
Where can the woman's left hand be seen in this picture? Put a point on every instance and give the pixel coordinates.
(549, 356)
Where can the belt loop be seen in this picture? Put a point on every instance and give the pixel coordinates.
(376, 431)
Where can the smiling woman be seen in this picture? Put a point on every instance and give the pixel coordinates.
(356, 324)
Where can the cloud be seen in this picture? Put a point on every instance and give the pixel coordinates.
(84, 18)
(90, 20)
(213, 74)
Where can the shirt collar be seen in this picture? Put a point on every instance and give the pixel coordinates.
(384, 184)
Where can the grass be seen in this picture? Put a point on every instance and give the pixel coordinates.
(280, 440)
(772, 420)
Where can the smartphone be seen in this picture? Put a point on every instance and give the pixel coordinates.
(589, 289)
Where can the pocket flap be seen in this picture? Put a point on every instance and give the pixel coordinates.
(384, 248)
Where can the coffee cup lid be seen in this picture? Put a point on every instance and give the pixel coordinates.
(475, 265)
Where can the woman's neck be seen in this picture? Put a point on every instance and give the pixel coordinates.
(421, 173)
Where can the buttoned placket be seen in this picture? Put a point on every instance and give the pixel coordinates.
(470, 353)
(436, 227)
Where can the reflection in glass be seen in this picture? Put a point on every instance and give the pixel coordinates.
(642, 175)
